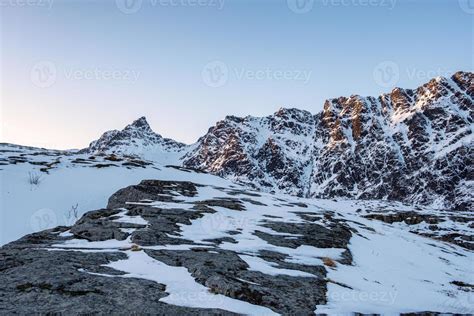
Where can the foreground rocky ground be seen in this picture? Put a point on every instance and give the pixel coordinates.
(170, 247)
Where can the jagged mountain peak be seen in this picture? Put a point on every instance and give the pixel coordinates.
(465, 80)
(136, 138)
(236, 119)
(140, 128)
(295, 114)
(141, 123)
(282, 112)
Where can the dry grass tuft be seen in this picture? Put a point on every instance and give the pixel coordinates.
(329, 262)
(34, 178)
(135, 248)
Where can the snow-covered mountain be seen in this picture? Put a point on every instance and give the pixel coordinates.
(272, 153)
(408, 145)
(137, 139)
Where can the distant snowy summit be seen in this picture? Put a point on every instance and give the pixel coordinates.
(409, 145)
(137, 139)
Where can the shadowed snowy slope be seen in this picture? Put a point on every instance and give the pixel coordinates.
(66, 181)
(173, 247)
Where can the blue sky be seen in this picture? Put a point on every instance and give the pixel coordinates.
(73, 69)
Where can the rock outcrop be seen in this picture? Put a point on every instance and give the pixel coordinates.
(66, 269)
(173, 247)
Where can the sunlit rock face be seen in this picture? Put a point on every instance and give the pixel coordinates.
(272, 153)
(408, 145)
